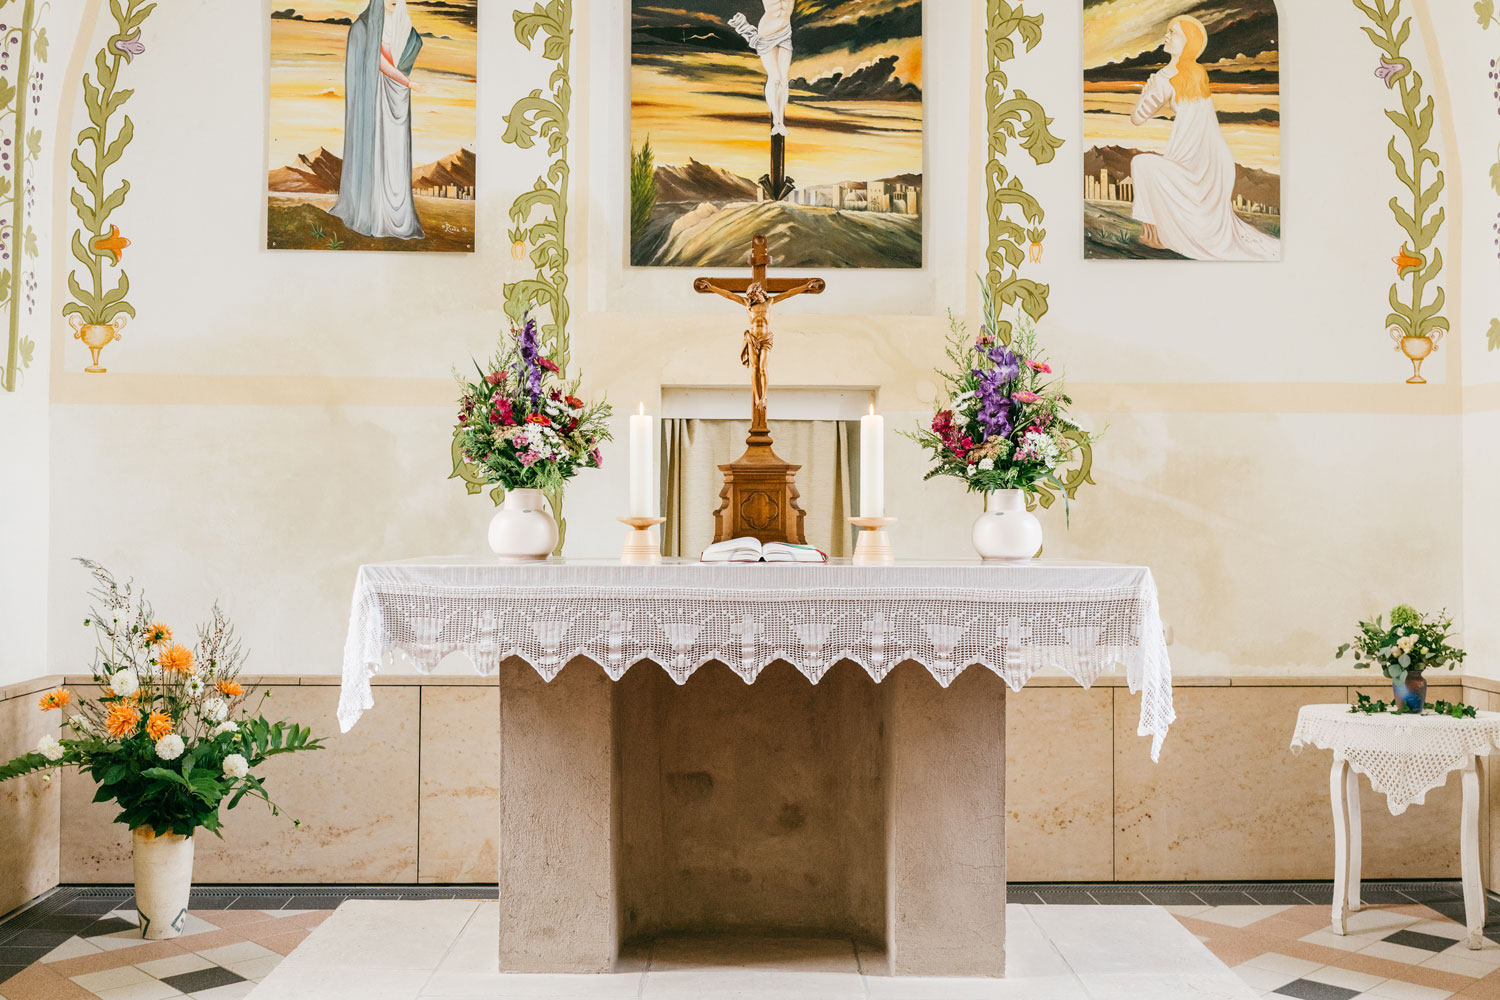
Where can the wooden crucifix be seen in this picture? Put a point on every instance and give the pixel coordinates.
(759, 498)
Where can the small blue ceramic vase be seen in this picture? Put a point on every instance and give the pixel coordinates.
(1411, 694)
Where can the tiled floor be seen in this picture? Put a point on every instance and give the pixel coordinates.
(378, 950)
(1397, 951)
(82, 943)
(79, 943)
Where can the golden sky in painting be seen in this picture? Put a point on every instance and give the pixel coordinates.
(307, 82)
(1118, 30)
(708, 105)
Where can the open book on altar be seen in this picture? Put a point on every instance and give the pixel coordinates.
(750, 550)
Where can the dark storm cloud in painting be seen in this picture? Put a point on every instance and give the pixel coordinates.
(1237, 29)
(820, 27)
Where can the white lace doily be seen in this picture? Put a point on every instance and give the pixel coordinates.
(1404, 756)
(1082, 618)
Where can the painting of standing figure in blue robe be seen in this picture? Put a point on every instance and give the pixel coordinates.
(372, 125)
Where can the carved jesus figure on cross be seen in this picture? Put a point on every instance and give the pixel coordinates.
(758, 294)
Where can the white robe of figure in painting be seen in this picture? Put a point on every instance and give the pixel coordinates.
(1187, 192)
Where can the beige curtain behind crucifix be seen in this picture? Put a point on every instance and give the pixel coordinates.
(693, 450)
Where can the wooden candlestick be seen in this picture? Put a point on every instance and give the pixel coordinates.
(641, 546)
(873, 547)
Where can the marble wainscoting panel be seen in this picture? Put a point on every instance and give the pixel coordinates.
(460, 783)
(1423, 841)
(1228, 800)
(1059, 781)
(357, 801)
(29, 805)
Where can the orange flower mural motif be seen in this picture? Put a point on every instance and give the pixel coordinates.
(55, 699)
(176, 659)
(122, 720)
(1405, 261)
(114, 244)
(158, 725)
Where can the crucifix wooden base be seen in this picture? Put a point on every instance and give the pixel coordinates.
(759, 499)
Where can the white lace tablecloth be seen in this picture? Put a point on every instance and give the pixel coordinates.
(1084, 618)
(1404, 756)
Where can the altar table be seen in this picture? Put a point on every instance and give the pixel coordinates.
(1405, 757)
(635, 803)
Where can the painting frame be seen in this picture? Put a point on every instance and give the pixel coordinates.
(372, 128)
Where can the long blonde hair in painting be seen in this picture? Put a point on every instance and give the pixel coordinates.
(1191, 80)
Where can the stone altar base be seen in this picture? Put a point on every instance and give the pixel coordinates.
(640, 809)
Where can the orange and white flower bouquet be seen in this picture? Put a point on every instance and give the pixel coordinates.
(170, 734)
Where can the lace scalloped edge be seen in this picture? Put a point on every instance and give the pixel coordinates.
(1298, 743)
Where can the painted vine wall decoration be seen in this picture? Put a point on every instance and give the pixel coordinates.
(97, 313)
(1016, 217)
(23, 45)
(1486, 11)
(539, 216)
(1416, 322)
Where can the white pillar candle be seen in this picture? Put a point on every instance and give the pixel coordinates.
(872, 464)
(642, 468)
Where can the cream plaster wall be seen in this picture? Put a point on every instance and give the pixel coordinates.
(294, 408)
(1471, 54)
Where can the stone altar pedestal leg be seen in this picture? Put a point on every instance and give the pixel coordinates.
(557, 878)
(945, 828)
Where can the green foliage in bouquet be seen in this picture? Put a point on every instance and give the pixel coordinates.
(1412, 641)
(522, 427)
(170, 736)
(1002, 423)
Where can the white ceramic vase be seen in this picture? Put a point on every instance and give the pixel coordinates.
(1007, 530)
(522, 530)
(163, 880)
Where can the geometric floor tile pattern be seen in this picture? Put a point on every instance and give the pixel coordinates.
(1266, 940)
(1393, 951)
(80, 943)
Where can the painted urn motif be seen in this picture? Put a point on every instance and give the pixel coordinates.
(1417, 350)
(96, 337)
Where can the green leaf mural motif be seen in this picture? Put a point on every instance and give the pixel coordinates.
(1419, 264)
(1015, 216)
(539, 216)
(27, 45)
(96, 242)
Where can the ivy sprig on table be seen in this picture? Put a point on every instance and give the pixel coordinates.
(1369, 706)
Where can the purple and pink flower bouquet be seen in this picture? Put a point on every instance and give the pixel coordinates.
(1003, 422)
(521, 426)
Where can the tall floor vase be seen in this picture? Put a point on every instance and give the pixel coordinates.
(163, 880)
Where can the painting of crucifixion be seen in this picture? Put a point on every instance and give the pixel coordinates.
(801, 119)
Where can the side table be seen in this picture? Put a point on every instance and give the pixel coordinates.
(1405, 757)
